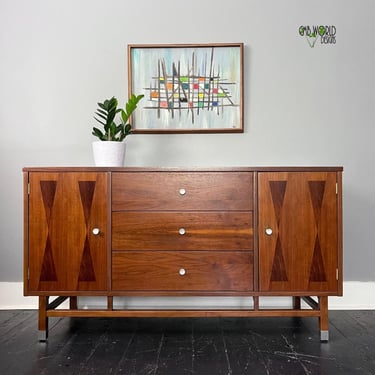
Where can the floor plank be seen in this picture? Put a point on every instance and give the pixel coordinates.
(198, 346)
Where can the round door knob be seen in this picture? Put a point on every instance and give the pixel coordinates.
(182, 271)
(182, 191)
(268, 231)
(182, 231)
(95, 231)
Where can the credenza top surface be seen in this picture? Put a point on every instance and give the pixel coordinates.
(186, 169)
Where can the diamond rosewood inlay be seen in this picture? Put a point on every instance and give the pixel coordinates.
(48, 272)
(278, 193)
(278, 267)
(317, 271)
(48, 189)
(317, 193)
(86, 272)
(86, 190)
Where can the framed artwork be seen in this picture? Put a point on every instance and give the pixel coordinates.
(188, 88)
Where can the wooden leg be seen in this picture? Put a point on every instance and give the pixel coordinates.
(110, 303)
(42, 319)
(297, 303)
(323, 319)
(256, 302)
(73, 303)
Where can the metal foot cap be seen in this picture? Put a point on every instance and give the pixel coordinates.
(42, 335)
(324, 335)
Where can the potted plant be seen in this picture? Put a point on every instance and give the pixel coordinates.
(109, 151)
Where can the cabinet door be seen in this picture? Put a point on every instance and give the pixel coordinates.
(65, 252)
(298, 231)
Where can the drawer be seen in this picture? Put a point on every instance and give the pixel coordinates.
(182, 230)
(182, 271)
(182, 191)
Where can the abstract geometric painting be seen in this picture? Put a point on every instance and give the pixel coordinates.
(187, 88)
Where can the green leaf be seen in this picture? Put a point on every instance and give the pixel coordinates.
(112, 130)
(111, 117)
(97, 133)
(101, 111)
(101, 116)
(102, 106)
(101, 122)
(124, 116)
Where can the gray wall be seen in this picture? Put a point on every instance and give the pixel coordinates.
(303, 106)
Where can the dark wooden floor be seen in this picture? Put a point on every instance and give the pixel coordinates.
(211, 346)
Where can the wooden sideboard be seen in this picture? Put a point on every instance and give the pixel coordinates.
(121, 232)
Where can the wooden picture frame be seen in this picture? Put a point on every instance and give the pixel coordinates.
(188, 88)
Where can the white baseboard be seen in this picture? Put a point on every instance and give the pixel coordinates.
(357, 296)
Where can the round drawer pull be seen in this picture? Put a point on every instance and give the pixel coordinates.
(182, 271)
(182, 191)
(182, 231)
(268, 231)
(95, 231)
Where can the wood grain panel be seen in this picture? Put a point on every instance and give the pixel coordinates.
(203, 191)
(204, 271)
(202, 231)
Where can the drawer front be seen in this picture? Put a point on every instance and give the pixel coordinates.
(182, 271)
(182, 191)
(182, 231)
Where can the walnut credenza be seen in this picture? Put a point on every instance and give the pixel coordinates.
(120, 232)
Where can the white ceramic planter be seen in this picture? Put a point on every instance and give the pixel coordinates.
(109, 153)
